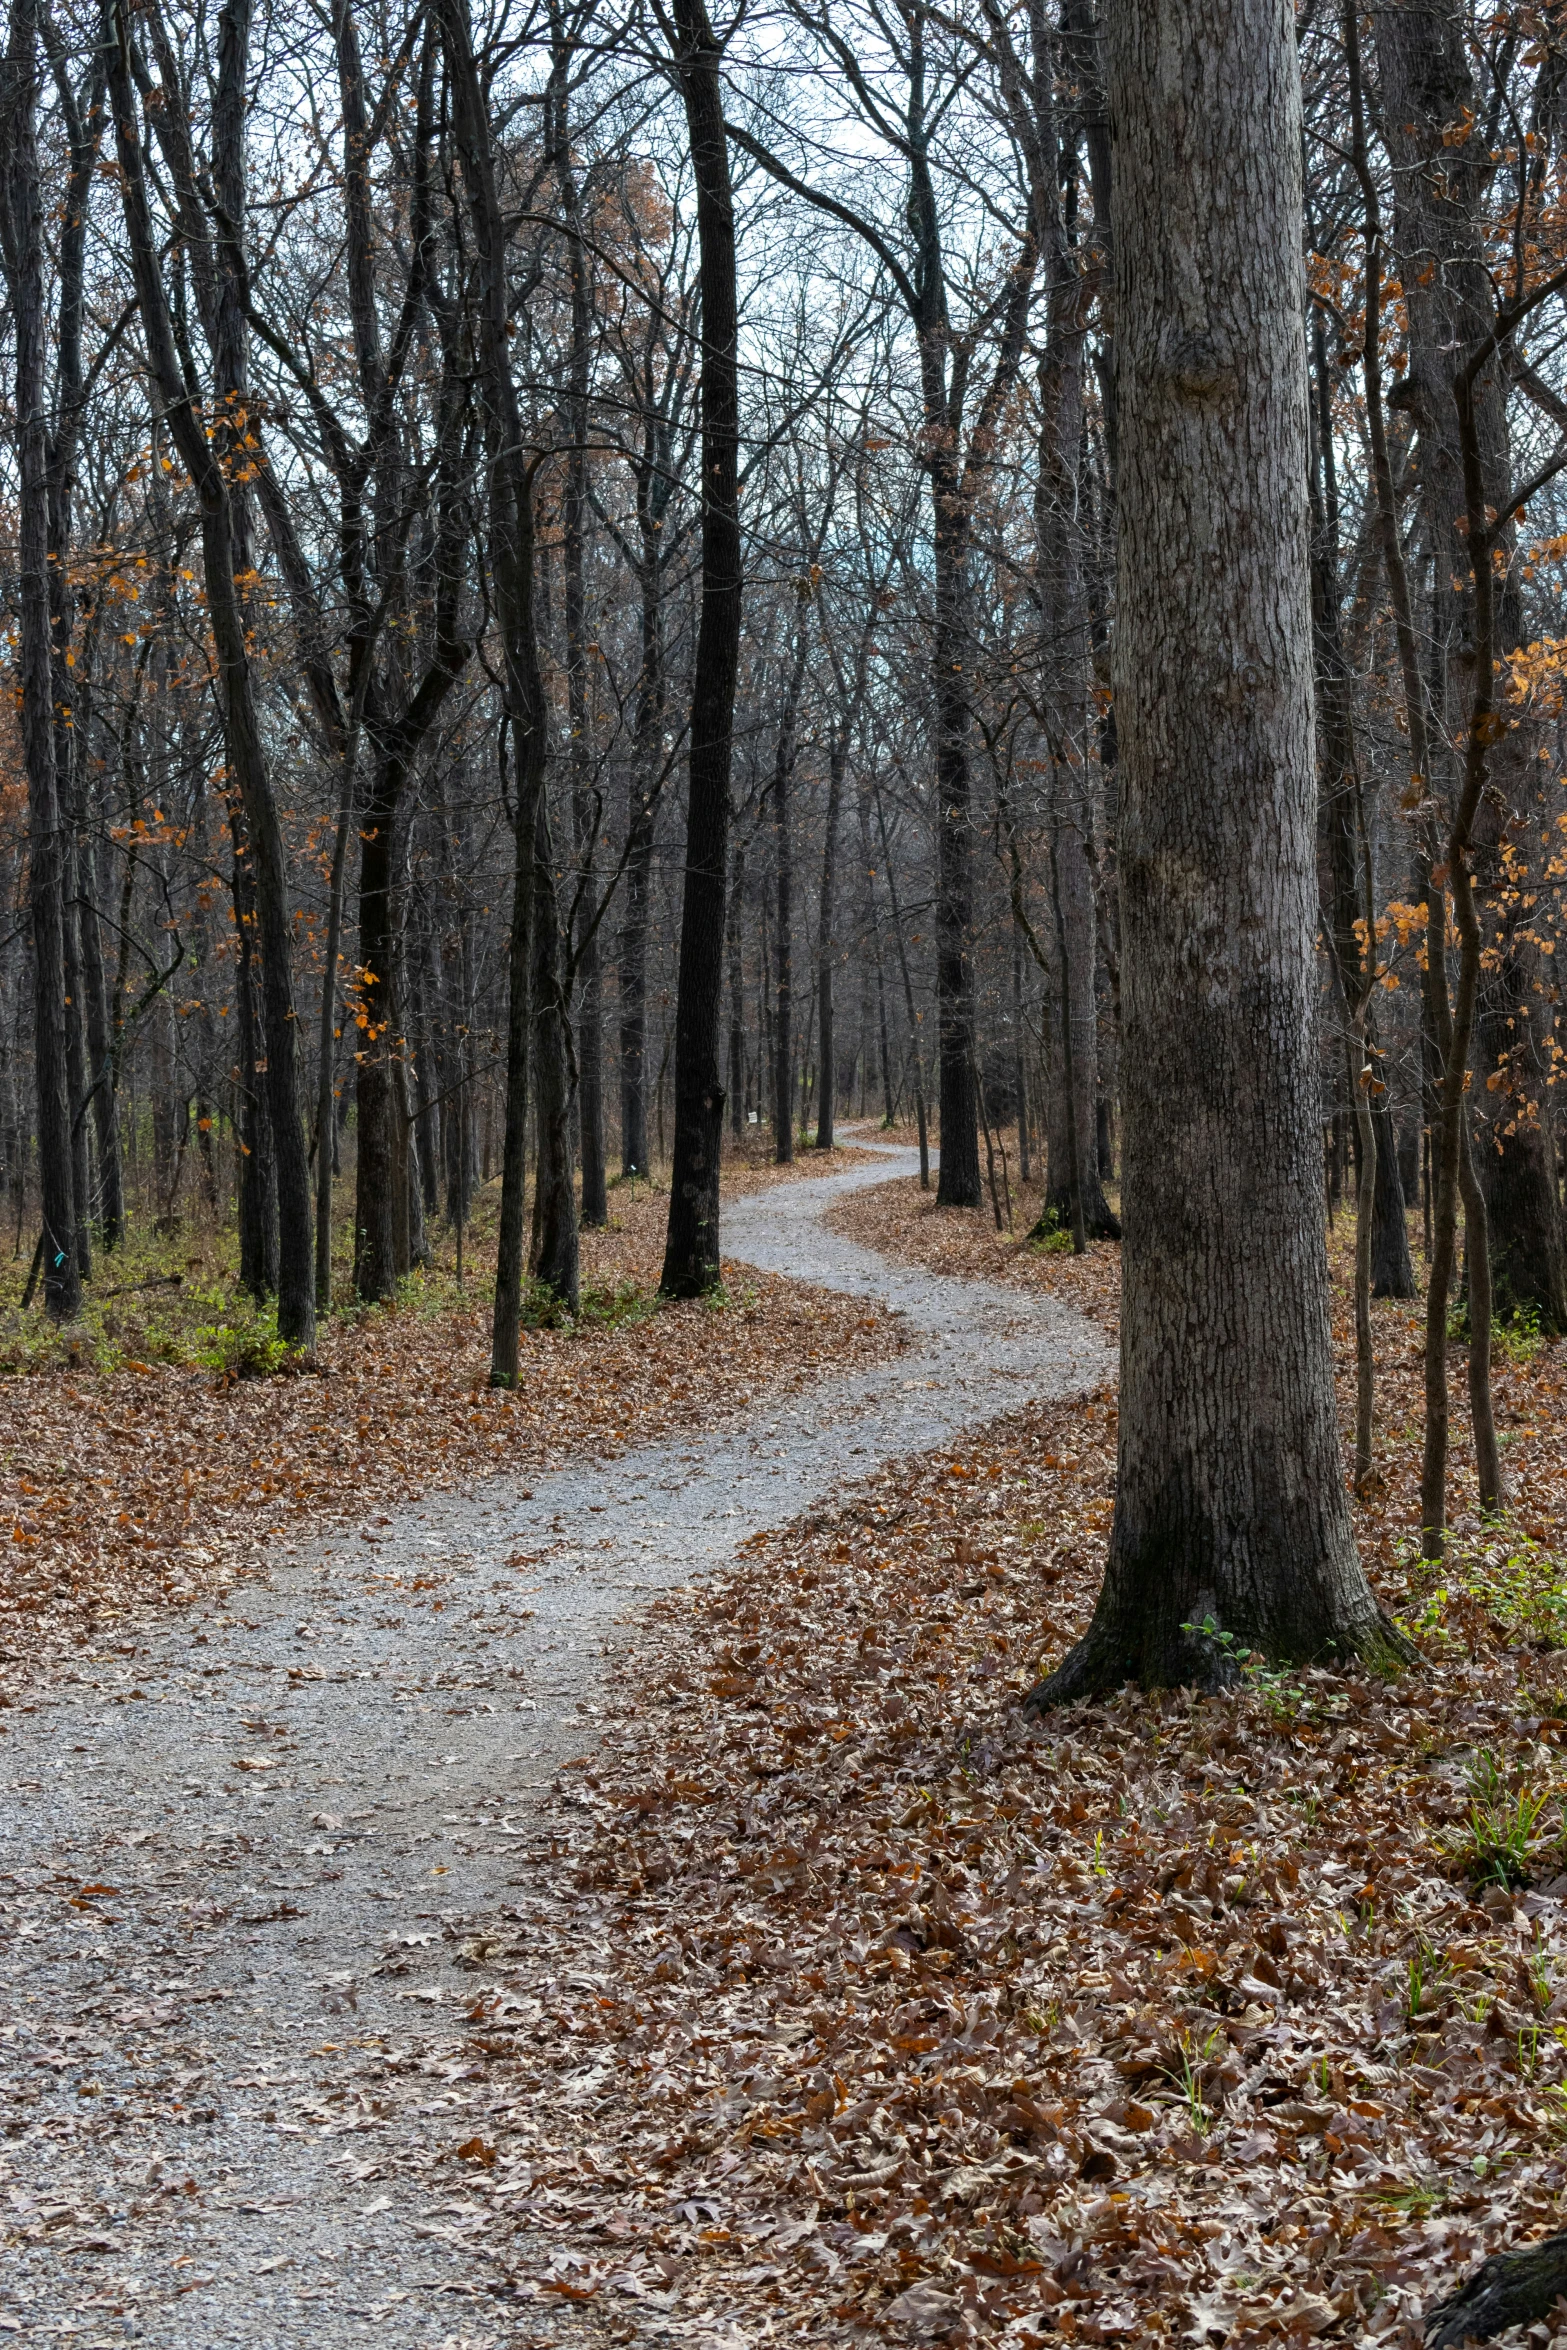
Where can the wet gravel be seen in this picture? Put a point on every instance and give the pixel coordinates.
(240, 1851)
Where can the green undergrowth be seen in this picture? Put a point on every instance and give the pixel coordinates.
(1516, 1335)
(1498, 1582)
(1514, 1830)
(1051, 1236)
(601, 1305)
(172, 1295)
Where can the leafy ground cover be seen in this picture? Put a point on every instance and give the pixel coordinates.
(843, 2003)
(147, 1479)
(844, 2006)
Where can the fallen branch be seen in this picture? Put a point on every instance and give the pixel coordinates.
(154, 1281)
(1509, 2289)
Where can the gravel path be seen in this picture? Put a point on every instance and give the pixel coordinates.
(238, 1857)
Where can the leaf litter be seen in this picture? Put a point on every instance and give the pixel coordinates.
(141, 1487)
(835, 2002)
(843, 2004)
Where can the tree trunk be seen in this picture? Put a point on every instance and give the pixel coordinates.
(783, 883)
(1461, 421)
(512, 544)
(555, 1262)
(1439, 201)
(826, 955)
(732, 916)
(691, 1262)
(106, 1108)
(510, 1253)
(1230, 1501)
(908, 1003)
(46, 840)
(382, 1247)
(252, 1126)
(641, 824)
(1073, 1189)
(1019, 1057)
(958, 1181)
(375, 1239)
(631, 977)
(584, 809)
(326, 1088)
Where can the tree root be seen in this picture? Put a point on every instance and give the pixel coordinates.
(1108, 1656)
(1509, 2289)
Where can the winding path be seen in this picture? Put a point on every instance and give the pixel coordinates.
(232, 1861)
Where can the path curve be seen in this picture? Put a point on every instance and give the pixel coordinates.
(300, 1797)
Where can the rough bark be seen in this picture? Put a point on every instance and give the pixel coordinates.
(1230, 1500)
(46, 839)
(691, 1264)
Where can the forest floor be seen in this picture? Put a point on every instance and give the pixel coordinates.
(148, 1457)
(827, 2001)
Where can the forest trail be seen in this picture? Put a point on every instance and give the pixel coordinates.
(239, 1865)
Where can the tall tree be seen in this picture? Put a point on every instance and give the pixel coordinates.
(691, 1263)
(512, 562)
(1230, 1502)
(22, 224)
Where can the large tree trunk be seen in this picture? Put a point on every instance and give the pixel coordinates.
(646, 789)
(1230, 1500)
(46, 838)
(691, 1263)
(85, 132)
